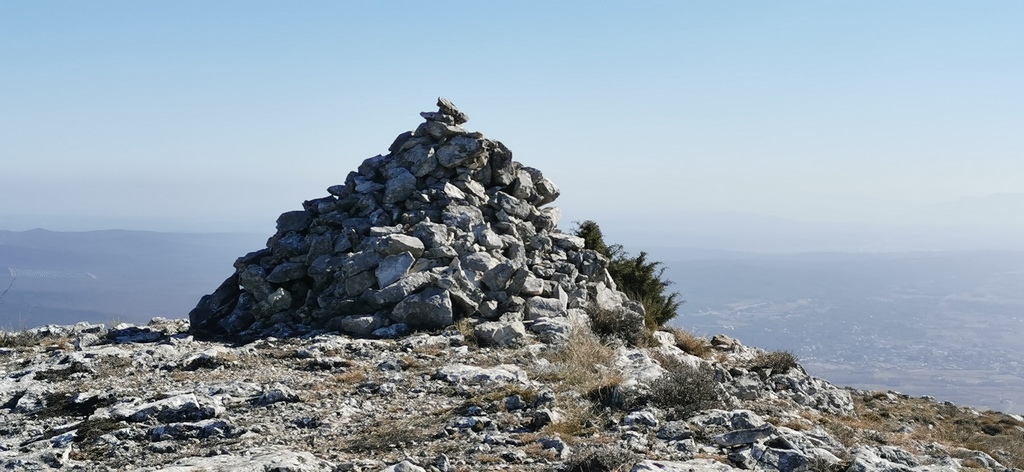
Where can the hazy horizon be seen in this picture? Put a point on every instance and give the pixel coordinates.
(194, 116)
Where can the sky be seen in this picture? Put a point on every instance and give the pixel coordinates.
(218, 116)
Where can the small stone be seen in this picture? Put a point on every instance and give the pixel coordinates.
(448, 108)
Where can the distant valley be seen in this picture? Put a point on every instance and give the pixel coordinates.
(110, 276)
(946, 324)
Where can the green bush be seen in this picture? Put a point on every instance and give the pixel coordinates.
(641, 280)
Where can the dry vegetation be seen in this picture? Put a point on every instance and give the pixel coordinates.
(911, 423)
(778, 362)
(691, 343)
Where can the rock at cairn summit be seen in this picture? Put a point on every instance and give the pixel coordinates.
(444, 226)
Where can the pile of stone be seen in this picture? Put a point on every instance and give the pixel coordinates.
(445, 226)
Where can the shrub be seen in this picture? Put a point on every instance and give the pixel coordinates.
(779, 362)
(684, 389)
(641, 280)
(620, 323)
(601, 459)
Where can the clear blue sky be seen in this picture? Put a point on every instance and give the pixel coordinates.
(196, 115)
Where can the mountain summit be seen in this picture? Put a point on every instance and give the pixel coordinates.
(428, 315)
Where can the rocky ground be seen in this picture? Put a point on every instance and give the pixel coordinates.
(469, 343)
(85, 397)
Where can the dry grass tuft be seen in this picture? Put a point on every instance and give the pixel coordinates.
(582, 364)
(388, 436)
(465, 327)
(581, 419)
(691, 343)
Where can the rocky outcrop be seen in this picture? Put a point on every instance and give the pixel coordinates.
(154, 397)
(445, 226)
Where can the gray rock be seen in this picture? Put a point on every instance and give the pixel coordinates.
(557, 444)
(179, 408)
(458, 150)
(403, 287)
(487, 238)
(540, 307)
(497, 277)
(404, 466)
(463, 217)
(674, 431)
(448, 108)
(430, 309)
(398, 243)
(279, 300)
(643, 417)
(400, 186)
(437, 130)
(287, 272)
(276, 394)
(567, 241)
(421, 160)
(552, 330)
(212, 428)
(277, 459)
(359, 325)
(361, 261)
(463, 374)
(358, 284)
(254, 280)
(546, 190)
(293, 221)
(693, 465)
(397, 144)
(500, 333)
(394, 267)
(479, 262)
(431, 234)
(511, 205)
(744, 436)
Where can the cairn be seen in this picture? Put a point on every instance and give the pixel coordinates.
(445, 226)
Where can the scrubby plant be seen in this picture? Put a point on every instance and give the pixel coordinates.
(685, 390)
(620, 323)
(601, 459)
(640, 279)
(779, 362)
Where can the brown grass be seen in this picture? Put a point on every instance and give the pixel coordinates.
(879, 417)
(691, 343)
(779, 362)
(387, 436)
(581, 419)
(582, 364)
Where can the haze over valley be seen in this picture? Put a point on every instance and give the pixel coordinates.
(939, 323)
